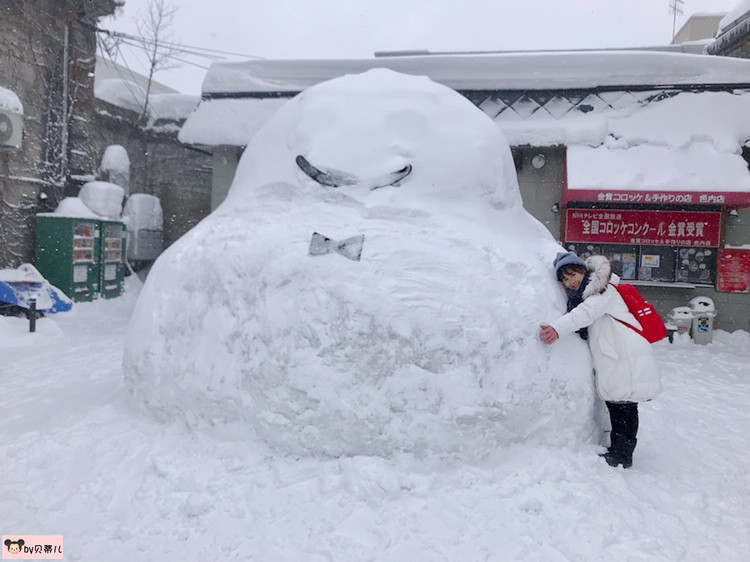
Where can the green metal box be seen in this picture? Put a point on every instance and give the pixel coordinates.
(83, 257)
(112, 259)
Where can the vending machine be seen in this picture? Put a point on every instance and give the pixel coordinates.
(67, 254)
(84, 257)
(112, 259)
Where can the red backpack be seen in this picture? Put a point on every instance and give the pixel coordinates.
(654, 329)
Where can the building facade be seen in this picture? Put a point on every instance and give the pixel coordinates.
(47, 60)
(638, 155)
(48, 64)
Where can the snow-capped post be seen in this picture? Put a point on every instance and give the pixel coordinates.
(32, 314)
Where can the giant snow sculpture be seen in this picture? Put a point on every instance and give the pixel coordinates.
(371, 284)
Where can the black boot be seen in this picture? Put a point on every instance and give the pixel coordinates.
(613, 437)
(624, 418)
(620, 452)
(626, 455)
(611, 456)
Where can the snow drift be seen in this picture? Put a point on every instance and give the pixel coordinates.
(427, 344)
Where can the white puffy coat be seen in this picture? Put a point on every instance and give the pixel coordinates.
(623, 360)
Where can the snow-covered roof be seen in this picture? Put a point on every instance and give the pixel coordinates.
(665, 121)
(172, 107)
(550, 70)
(734, 28)
(698, 167)
(735, 15)
(240, 96)
(161, 107)
(9, 101)
(107, 69)
(122, 93)
(231, 122)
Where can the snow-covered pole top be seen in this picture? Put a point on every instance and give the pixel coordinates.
(9, 101)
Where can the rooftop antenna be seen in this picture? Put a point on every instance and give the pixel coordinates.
(675, 8)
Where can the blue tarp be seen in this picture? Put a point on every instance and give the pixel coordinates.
(49, 298)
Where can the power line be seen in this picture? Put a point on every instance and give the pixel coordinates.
(189, 49)
(139, 45)
(127, 80)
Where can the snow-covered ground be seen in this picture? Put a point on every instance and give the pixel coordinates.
(267, 404)
(81, 458)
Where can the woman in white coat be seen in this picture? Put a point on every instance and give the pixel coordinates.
(626, 371)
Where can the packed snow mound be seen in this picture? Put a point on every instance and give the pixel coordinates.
(115, 159)
(428, 343)
(115, 166)
(73, 207)
(143, 211)
(103, 198)
(359, 134)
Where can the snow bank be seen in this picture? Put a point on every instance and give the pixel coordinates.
(428, 344)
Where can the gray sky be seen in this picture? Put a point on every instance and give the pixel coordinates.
(358, 28)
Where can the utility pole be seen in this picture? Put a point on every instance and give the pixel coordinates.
(65, 104)
(675, 8)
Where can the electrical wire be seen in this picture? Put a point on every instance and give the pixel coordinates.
(131, 51)
(127, 80)
(188, 49)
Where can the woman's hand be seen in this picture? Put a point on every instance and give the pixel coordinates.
(547, 334)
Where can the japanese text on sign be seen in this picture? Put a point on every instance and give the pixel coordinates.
(636, 197)
(671, 197)
(734, 271)
(660, 228)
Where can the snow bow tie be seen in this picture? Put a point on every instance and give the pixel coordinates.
(349, 248)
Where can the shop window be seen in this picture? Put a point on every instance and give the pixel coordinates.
(624, 260)
(696, 265)
(655, 263)
(585, 250)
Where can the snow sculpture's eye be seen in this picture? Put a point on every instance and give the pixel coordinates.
(336, 178)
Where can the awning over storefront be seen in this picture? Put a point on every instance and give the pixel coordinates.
(697, 174)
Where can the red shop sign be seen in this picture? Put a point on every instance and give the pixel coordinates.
(739, 198)
(733, 271)
(657, 228)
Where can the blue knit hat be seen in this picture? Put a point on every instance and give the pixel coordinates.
(567, 258)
